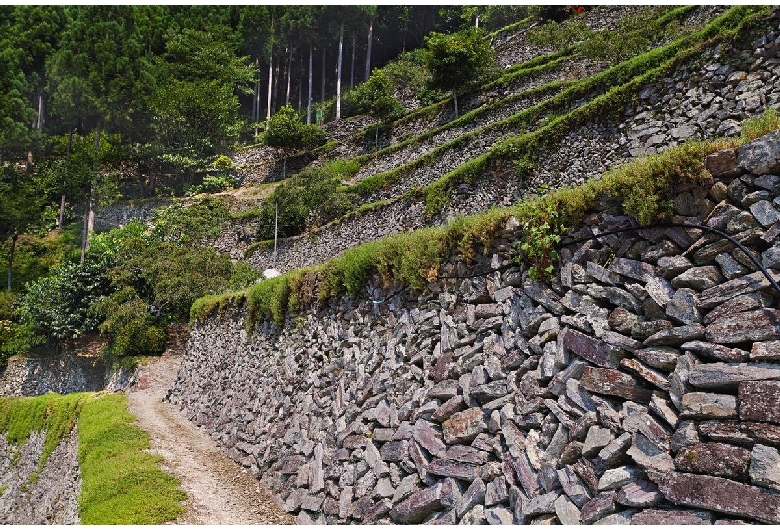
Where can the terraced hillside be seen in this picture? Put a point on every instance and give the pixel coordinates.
(565, 115)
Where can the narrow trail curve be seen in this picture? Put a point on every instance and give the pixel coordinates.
(219, 491)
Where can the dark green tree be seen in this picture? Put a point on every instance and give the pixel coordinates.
(286, 130)
(459, 61)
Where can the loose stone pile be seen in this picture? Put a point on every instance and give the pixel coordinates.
(641, 385)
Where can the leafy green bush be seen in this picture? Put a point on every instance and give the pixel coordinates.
(458, 61)
(374, 97)
(286, 130)
(313, 195)
(212, 184)
(129, 325)
(187, 224)
(222, 162)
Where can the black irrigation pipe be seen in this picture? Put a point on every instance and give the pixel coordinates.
(715, 231)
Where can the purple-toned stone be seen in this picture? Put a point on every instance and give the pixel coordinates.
(396, 451)
(765, 351)
(598, 507)
(759, 325)
(718, 459)
(670, 517)
(716, 351)
(464, 426)
(428, 438)
(614, 383)
(594, 350)
(640, 494)
(729, 375)
(759, 401)
(721, 495)
(458, 470)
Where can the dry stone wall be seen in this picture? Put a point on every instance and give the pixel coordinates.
(63, 374)
(705, 100)
(51, 497)
(641, 385)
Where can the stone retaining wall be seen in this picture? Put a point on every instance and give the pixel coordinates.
(706, 100)
(641, 385)
(63, 374)
(49, 498)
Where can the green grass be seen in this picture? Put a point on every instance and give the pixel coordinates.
(121, 483)
(2, 489)
(52, 413)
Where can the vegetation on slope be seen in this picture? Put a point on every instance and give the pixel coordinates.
(121, 482)
(414, 259)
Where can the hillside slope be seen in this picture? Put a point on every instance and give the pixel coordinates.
(445, 168)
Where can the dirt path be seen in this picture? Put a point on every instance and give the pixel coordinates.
(219, 491)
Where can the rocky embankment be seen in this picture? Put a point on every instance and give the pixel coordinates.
(729, 83)
(641, 385)
(33, 496)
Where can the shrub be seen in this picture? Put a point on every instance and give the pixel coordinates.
(374, 97)
(285, 130)
(129, 325)
(223, 162)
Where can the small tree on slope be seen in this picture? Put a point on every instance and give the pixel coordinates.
(459, 61)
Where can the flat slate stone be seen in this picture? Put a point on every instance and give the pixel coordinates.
(428, 438)
(649, 456)
(698, 278)
(458, 470)
(744, 433)
(704, 405)
(637, 270)
(750, 326)
(594, 350)
(728, 375)
(724, 292)
(613, 383)
(660, 290)
(676, 336)
(566, 511)
(464, 426)
(618, 477)
(641, 494)
(670, 517)
(716, 351)
(721, 164)
(759, 401)
(765, 351)
(765, 467)
(649, 375)
(738, 304)
(598, 507)
(661, 357)
(419, 505)
(718, 459)
(721, 495)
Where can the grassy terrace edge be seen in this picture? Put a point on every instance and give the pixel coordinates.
(617, 82)
(414, 259)
(528, 146)
(121, 482)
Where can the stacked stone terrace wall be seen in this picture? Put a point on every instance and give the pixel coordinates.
(640, 385)
(706, 100)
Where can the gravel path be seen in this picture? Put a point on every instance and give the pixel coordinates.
(219, 491)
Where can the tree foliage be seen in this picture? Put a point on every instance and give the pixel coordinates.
(458, 61)
(286, 130)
